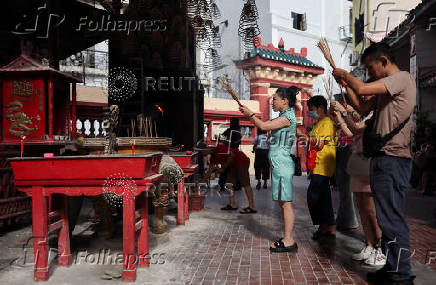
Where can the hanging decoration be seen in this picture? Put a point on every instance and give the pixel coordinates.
(201, 14)
(212, 60)
(248, 26)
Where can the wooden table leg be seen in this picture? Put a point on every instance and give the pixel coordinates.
(64, 252)
(144, 256)
(40, 234)
(181, 203)
(187, 205)
(129, 255)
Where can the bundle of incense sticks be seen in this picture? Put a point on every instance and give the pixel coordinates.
(323, 45)
(140, 120)
(145, 127)
(328, 88)
(230, 89)
(133, 125)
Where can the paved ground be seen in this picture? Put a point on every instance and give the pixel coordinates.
(217, 247)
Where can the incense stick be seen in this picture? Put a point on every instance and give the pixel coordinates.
(150, 126)
(229, 89)
(328, 88)
(323, 45)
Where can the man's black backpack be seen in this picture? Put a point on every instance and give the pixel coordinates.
(373, 142)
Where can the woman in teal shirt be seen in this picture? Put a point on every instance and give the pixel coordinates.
(283, 130)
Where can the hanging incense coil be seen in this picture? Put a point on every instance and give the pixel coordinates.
(212, 59)
(250, 9)
(216, 37)
(203, 39)
(248, 28)
(216, 13)
(203, 9)
(248, 38)
(197, 22)
(249, 16)
(191, 8)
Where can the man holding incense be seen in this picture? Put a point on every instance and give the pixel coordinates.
(387, 142)
(236, 164)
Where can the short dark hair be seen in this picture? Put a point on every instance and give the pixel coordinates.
(317, 101)
(289, 93)
(376, 50)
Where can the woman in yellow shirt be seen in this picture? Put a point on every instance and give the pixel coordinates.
(319, 200)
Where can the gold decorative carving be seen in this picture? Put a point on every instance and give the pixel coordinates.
(20, 121)
(22, 88)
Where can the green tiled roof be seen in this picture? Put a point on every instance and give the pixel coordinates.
(284, 57)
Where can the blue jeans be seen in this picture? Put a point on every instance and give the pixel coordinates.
(319, 200)
(389, 178)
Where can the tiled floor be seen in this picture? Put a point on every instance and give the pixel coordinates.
(234, 250)
(221, 247)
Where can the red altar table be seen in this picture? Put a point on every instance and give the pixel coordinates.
(86, 175)
(189, 166)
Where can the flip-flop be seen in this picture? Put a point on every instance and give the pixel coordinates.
(248, 210)
(228, 208)
(280, 247)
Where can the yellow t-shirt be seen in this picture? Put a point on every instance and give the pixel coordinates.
(325, 162)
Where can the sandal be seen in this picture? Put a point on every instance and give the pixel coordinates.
(280, 247)
(248, 210)
(228, 208)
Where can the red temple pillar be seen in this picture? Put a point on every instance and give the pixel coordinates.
(259, 92)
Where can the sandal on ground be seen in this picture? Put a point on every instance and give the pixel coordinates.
(248, 210)
(280, 247)
(228, 208)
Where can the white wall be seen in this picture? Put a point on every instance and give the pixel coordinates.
(232, 48)
(324, 17)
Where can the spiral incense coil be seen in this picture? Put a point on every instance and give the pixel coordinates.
(203, 39)
(203, 9)
(216, 37)
(212, 59)
(248, 27)
(197, 22)
(216, 13)
(249, 36)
